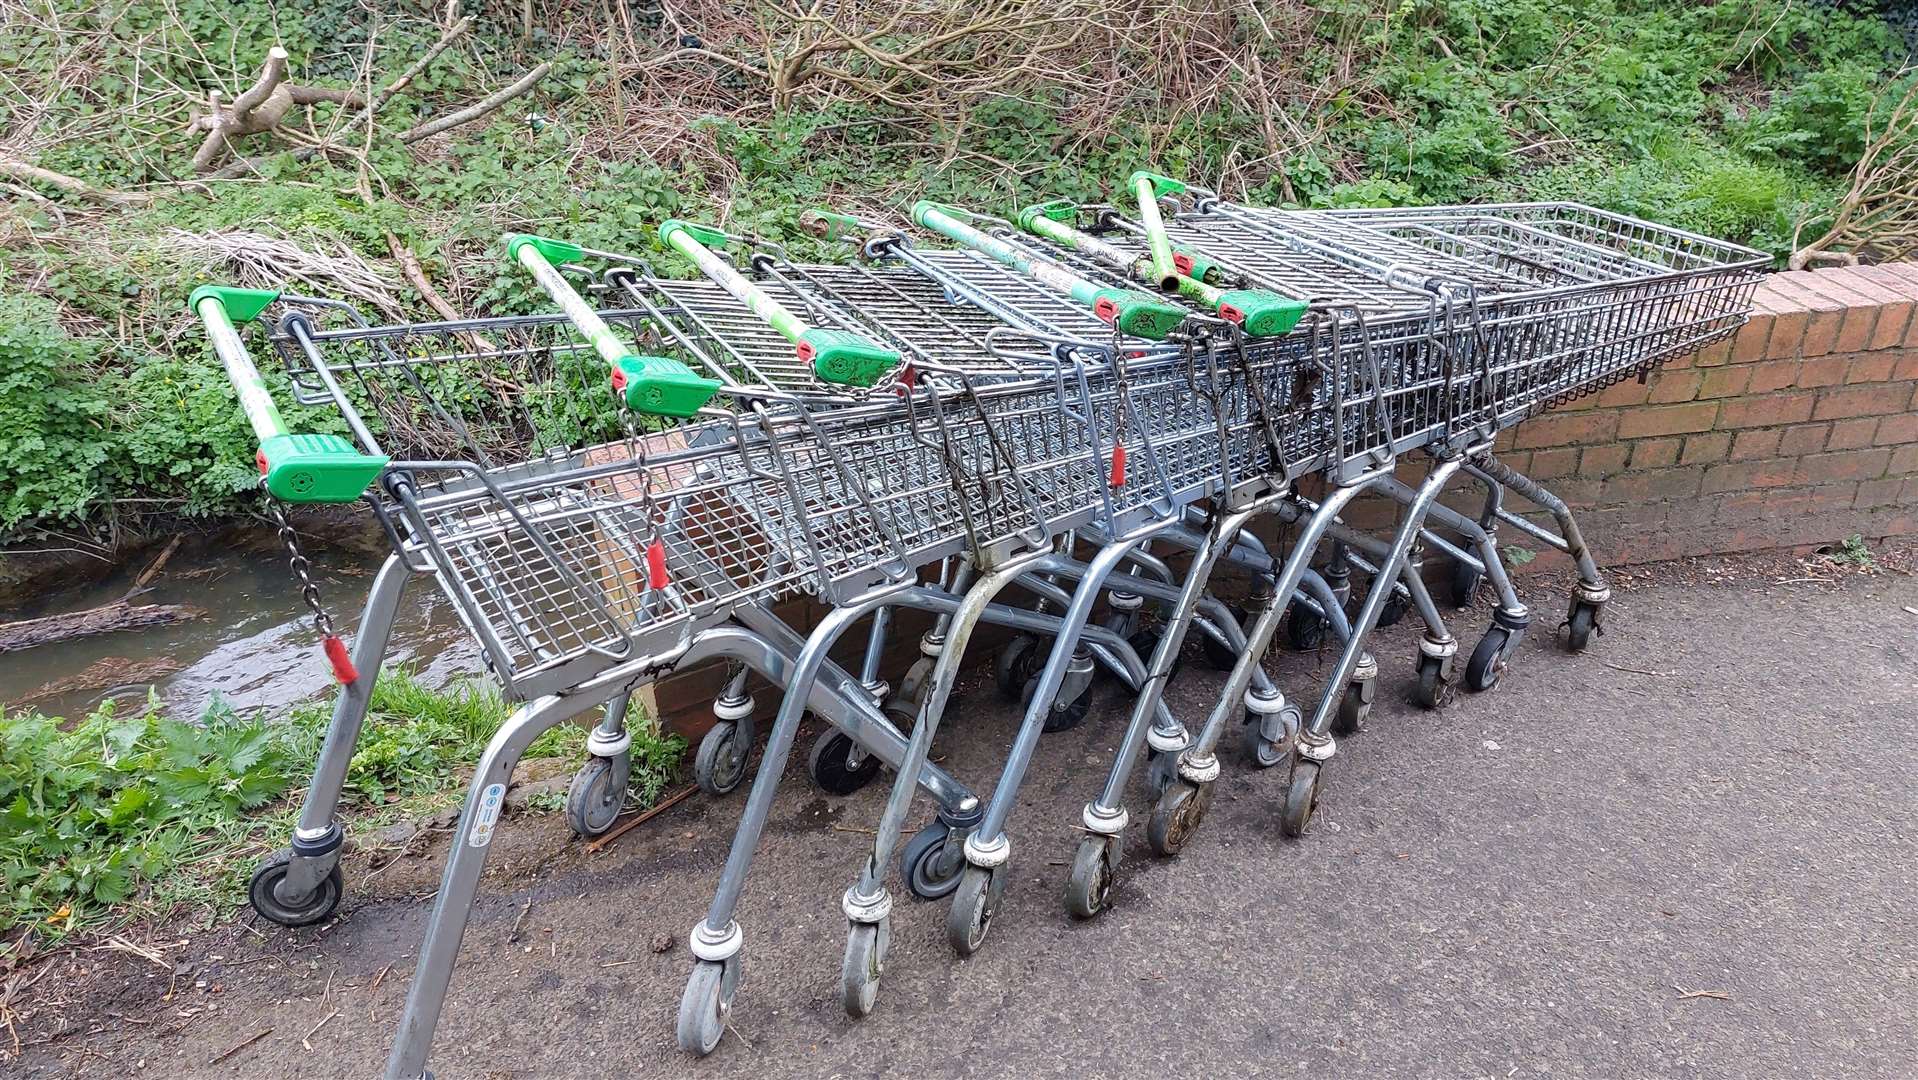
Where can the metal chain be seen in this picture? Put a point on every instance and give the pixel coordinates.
(298, 563)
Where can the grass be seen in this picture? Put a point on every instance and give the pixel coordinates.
(113, 819)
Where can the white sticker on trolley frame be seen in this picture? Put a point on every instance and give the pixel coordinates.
(492, 801)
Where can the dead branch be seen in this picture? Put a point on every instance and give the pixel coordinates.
(105, 619)
(416, 277)
(479, 108)
(259, 108)
(1878, 213)
(21, 170)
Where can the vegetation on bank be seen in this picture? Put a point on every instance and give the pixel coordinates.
(114, 818)
(1741, 119)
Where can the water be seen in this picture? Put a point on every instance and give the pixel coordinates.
(255, 646)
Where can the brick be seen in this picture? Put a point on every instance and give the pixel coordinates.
(1868, 400)
(1852, 434)
(1627, 393)
(1752, 445)
(1602, 461)
(1901, 428)
(1505, 440)
(1724, 382)
(1745, 475)
(1716, 354)
(1567, 429)
(1769, 375)
(1787, 408)
(1841, 466)
(1871, 367)
(1895, 321)
(1873, 493)
(1705, 449)
(1787, 334)
(1667, 420)
(1826, 315)
(1903, 460)
(1656, 453)
(1554, 463)
(1822, 371)
(1656, 485)
(1907, 365)
(1864, 299)
(1753, 338)
(1674, 386)
(1803, 439)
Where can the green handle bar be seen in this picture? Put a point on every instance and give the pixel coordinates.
(655, 385)
(1137, 313)
(836, 355)
(298, 468)
(1149, 187)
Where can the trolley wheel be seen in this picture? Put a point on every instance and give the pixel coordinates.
(919, 863)
(1162, 770)
(720, 764)
(1177, 815)
(597, 794)
(1301, 797)
(832, 766)
(704, 1005)
(1260, 751)
(1432, 690)
(1304, 629)
(1488, 660)
(974, 903)
(1218, 654)
(1016, 665)
(912, 685)
(1394, 608)
(1089, 884)
(1353, 710)
(1578, 628)
(262, 893)
(1146, 642)
(1463, 583)
(865, 960)
(1060, 717)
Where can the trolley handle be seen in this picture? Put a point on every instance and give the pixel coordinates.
(655, 385)
(296, 468)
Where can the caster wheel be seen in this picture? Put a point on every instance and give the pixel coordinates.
(974, 903)
(1260, 751)
(1089, 885)
(1146, 642)
(1488, 660)
(1432, 690)
(1218, 654)
(1162, 772)
(263, 893)
(1462, 583)
(720, 764)
(1016, 665)
(1578, 628)
(1394, 608)
(833, 767)
(704, 1005)
(1304, 629)
(597, 794)
(919, 863)
(912, 685)
(1177, 816)
(1354, 706)
(865, 959)
(1301, 797)
(1060, 717)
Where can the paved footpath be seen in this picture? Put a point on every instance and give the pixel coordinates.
(1690, 852)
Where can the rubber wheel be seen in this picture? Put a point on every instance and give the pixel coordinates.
(704, 1005)
(1218, 654)
(1488, 660)
(1016, 665)
(1162, 771)
(720, 763)
(865, 961)
(913, 683)
(1394, 608)
(1259, 751)
(918, 863)
(597, 794)
(830, 764)
(1176, 816)
(1146, 642)
(1462, 583)
(1057, 718)
(974, 903)
(1353, 709)
(1301, 797)
(315, 908)
(1304, 629)
(1089, 884)
(1578, 628)
(1432, 689)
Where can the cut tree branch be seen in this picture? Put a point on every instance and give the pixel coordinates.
(479, 108)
